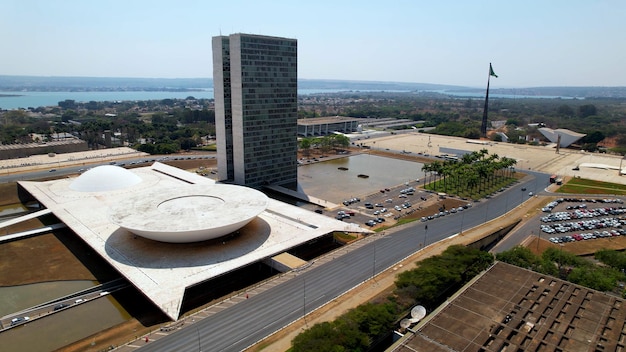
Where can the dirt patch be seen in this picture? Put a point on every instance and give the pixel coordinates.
(9, 194)
(109, 337)
(579, 248)
(193, 164)
(39, 259)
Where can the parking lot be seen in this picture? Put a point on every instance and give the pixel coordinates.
(385, 206)
(389, 205)
(581, 219)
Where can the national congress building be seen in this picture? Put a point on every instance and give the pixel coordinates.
(256, 109)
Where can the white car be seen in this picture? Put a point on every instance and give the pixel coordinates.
(19, 320)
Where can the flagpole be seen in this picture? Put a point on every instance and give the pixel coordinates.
(483, 126)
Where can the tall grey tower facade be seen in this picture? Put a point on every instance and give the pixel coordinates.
(256, 108)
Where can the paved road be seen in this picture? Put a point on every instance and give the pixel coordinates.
(73, 170)
(249, 321)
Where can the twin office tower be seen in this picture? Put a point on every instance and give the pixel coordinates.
(256, 109)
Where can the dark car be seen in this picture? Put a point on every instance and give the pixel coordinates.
(61, 306)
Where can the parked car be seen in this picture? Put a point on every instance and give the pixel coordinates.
(19, 320)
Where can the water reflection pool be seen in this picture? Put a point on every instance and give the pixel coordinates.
(326, 181)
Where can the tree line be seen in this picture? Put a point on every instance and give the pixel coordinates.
(155, 132)
(428, 285)
(473, 175)
(324, 143)
(569, 267)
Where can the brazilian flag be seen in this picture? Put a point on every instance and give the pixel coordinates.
(491, 73)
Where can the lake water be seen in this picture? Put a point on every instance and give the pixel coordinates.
(16, 100)
(65, 327)
(326, 181)
(37, 99)
(16, 298)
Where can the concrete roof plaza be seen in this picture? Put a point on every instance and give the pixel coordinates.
(162, 271)
(514, 309)
(537, 158)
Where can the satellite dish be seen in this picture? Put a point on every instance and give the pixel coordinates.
(418, 312)
(405, 323)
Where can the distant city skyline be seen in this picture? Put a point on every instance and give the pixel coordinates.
(530, 44)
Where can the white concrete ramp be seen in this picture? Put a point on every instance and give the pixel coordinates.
(24, 218)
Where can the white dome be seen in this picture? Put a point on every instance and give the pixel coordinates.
(104, 178)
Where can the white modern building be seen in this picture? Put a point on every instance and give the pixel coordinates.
(163, 228)
(567, 137)
(256, 109)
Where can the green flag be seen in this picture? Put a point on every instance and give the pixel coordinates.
(491, 73)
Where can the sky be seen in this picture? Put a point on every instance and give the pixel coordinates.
(530, 43)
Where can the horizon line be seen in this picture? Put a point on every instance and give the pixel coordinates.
(316, 79)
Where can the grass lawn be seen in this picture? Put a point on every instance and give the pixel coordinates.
(586, 186)
(344, 237)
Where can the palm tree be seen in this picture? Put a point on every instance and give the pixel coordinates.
(447, 169)
(428, 169)
(508, 163)
(473, 179)
(483, 172)
(468, 158)
(438, 169)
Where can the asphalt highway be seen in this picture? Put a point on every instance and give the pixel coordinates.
(7, 176)
(249, 321)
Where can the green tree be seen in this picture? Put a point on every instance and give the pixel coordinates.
(519, 256)
(69, 115)
(565, 110)
(612, 258)
(587, 110)
(597, 278)
(338, 336)
(187, 143)
(305, 144)
(341, 140)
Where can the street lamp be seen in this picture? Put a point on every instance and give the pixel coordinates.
(199, 344)
(486, 210)
(506, 203)
(374, 255)
(462, 218)
(304, 300)
(374, 263)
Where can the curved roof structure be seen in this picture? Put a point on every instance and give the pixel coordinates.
(567, 137)
(104, 178)
(173, 205)
(188, 213)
